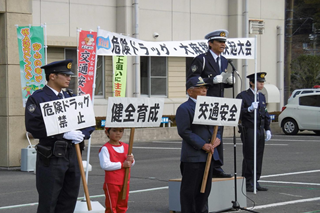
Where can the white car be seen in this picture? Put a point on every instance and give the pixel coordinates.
(298, 92)
(301, 113)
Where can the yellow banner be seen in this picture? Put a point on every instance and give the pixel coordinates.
(119, 76)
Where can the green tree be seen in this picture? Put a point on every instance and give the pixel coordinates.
(304, 9)
(305, 72)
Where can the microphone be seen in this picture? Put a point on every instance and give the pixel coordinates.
(234, 69)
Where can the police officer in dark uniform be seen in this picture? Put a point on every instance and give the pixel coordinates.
(58, 175)
(247, 129)
(195, 148)
(212, 67)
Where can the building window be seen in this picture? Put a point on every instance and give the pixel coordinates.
(99, 91)
(153, 71)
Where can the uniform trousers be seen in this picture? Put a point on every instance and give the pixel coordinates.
(248, 154)
(58, 182)
(191, 199)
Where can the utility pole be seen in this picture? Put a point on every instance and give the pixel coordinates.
(289, 25)
(314, 36)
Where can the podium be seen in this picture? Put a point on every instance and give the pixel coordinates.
(221, 195)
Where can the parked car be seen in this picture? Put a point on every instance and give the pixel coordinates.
(301, 113)
(297, 92)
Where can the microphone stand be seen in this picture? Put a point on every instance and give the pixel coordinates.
(235, 203)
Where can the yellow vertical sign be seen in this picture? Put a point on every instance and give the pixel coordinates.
(119, 76)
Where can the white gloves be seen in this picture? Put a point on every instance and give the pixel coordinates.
(253, 106)
(227, 78)
(268, 135)
(217, 79)
(231, 80)
(76, 142)
(76, 136)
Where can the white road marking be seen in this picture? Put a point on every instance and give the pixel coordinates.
(167, 142)
(285, 182)
(290, 173)
(300, 140)
(166, 187)
(286, 203)
(142, 147)
(277, 144)
(148, 190)
(17, 206)
(290, 195)
(81, 198)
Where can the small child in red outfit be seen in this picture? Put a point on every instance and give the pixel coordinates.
(114, 159)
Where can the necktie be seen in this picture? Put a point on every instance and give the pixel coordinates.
(60, 95)
(218, 62)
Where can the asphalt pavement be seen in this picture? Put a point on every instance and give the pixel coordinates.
(291, 171)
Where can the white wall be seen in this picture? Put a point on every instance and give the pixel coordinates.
(172, 19)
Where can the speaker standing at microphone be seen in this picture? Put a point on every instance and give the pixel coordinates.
(212, 67)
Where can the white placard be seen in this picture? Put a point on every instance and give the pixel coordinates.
(134, 112)
(217, 111)
(109, 43)
(68, 114)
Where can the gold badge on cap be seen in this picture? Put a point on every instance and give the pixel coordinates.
(223, 34)
(262, 75)
(200, 80)
(69, 65)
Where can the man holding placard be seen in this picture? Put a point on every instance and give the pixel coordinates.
(195, 146)
(58, 175)
(247, 129)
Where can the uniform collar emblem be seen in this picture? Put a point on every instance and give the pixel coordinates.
(31, 108)
(194, 68)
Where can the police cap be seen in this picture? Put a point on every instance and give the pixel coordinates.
(220, 35)
(260, 77)
(59, 67)
(195, 81)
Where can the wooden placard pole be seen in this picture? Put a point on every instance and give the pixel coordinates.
(83, 177)
(126, 176)
(209, 157)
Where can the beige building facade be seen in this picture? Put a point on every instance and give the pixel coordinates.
(165, 77)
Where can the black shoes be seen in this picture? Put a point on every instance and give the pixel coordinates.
(259, 188)
(222, 175)
(249, 188)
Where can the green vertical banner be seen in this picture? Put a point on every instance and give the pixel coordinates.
(119, 76)
(31, 57)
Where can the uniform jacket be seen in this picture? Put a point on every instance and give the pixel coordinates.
(34, 120)
(193, 136)
(210, 70)
(247, 118)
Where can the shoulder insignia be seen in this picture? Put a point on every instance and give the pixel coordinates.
(31, 108)
(194, 68)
